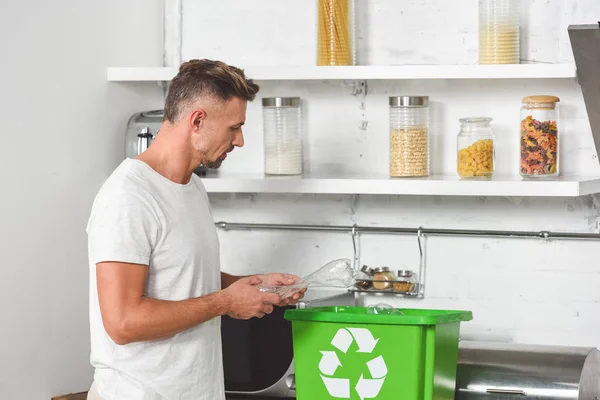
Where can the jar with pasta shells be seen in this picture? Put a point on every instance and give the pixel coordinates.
(475, 142)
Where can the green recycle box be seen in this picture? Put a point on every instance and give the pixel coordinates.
(347, 353)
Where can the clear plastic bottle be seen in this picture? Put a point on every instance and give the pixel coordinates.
(409, 136)
(335, 32)
(282, 119)
(539, 137)
(475, 142)
(499, 32)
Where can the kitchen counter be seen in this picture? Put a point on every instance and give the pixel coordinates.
(239, 397)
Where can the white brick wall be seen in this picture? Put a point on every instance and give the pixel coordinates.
(519, 290)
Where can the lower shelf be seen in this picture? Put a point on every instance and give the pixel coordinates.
(564, 186)
(385, 293)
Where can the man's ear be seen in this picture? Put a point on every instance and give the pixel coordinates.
(196, 120)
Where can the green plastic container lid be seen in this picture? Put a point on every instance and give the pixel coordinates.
(360, 315)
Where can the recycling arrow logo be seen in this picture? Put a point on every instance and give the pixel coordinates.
(366, 388)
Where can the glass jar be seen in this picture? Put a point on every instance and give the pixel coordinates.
(475, 143)
(364, 278)
(383, 278)
(335, 32)
(539, 137)
(499, 32)
(409, 136)
(282, 119)
(405, 282)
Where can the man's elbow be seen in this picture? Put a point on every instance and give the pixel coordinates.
(119, 332)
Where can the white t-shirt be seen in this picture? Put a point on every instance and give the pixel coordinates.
(141, 217)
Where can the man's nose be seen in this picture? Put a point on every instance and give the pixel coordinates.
(238, 140)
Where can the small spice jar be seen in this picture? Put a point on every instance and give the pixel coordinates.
(539, 137)
(364, 278)
(406, 282)
(382, 278)
(409, 136)
(475, 142)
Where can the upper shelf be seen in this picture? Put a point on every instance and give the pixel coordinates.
(362, 72)
(435, 185)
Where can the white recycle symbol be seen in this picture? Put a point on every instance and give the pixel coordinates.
(340, 387)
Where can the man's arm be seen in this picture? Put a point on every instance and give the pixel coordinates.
(129, 317)
(269, 280)
(228, 280)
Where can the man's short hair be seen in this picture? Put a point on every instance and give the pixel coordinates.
(206, 78)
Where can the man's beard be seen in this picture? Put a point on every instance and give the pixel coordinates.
(217, 163)
(213, 164)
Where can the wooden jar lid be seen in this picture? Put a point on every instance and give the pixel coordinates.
(540, 102)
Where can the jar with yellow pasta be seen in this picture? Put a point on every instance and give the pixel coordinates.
(335, 32)
(475, 158)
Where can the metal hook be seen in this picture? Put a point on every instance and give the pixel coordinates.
(421, 263)
(355, 258)
(419, 236)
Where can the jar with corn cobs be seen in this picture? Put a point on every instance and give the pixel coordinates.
(475, 142)
(539, 137)
(409, 136)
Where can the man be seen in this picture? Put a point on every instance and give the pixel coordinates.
(156, 289)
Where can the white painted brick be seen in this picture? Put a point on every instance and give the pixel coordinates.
(527, 291)
(388, 32)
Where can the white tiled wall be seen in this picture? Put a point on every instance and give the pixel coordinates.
(519, 290)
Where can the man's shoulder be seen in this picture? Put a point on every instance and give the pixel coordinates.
(127, 182)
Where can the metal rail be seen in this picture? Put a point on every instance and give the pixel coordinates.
(355, 229)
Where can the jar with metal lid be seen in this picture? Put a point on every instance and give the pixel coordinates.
(335, 32)
(539, 137)
(475, 143)
(409, 136)
(383, 278)
(405, 282)
(283, 144)
(364, 278)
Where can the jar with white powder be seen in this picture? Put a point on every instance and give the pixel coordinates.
(282, 120)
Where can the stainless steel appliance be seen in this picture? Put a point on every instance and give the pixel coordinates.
(585, 44)
(258, 357)
(142, 129)
(519, 371)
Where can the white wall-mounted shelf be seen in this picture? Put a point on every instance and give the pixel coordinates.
(435, 185)
(512, 71)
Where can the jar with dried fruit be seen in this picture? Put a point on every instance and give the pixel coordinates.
(409, 136)
(539, 137)
(405, 282)
(475, 142)
(383, 278)
(364, 278)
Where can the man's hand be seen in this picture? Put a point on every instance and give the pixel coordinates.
(283, 280)
(246, 301)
